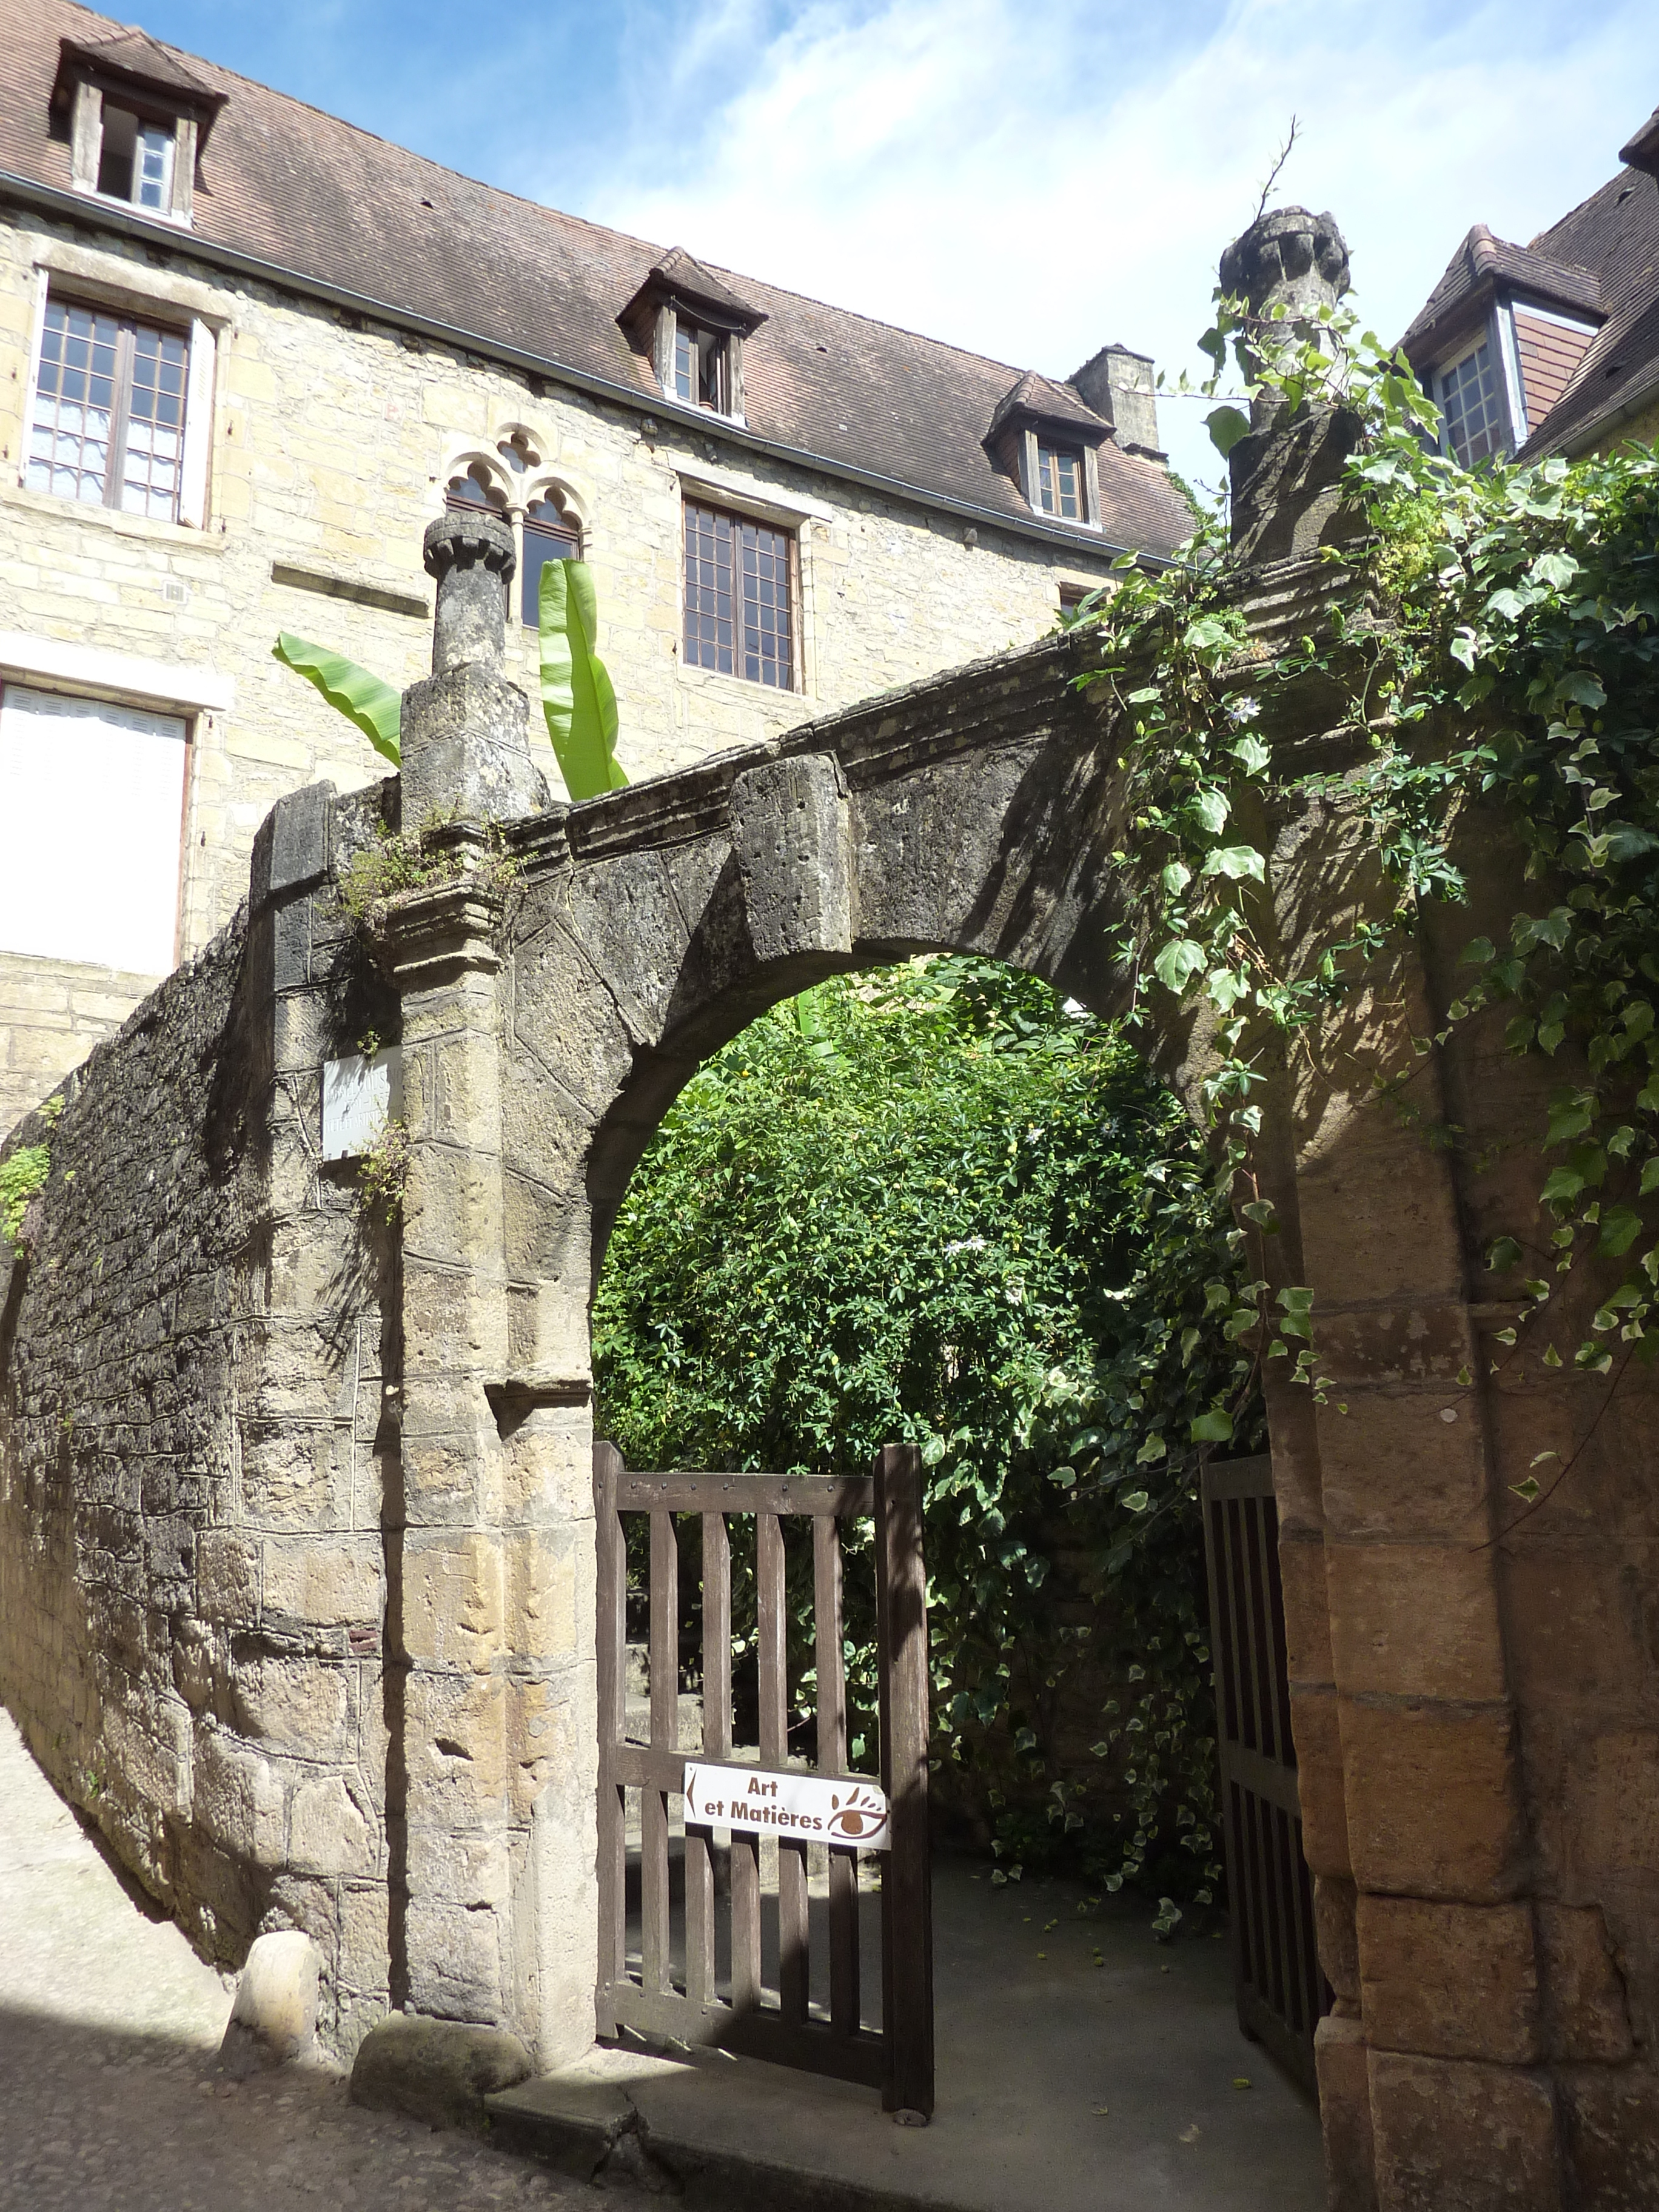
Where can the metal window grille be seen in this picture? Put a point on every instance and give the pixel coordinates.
(109, 412)
(738, 597)
(1474, 420)
(547, 537)
(1058, 477)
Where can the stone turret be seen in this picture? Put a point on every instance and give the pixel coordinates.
(1286, 474)
(466, 729)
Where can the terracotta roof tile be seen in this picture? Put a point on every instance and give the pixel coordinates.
(305, 192)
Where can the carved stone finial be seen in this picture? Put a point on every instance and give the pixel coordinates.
(1291, 257)
(470, 554)
(465, 730)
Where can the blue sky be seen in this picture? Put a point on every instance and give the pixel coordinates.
(1028, 177)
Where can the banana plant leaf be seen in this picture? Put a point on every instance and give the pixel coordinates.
(375, 706)
(577, 697)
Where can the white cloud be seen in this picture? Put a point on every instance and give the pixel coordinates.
(1032, 178)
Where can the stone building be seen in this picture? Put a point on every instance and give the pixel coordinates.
(1552, 347)
(301, 343)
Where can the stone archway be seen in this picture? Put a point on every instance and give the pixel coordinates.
(1480, 2013)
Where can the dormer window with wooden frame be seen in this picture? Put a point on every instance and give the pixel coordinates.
(137, 119)
(1044, 436)
(693, 327)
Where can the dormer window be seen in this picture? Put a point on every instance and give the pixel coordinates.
(693, 327)
(1059, 481)
(1046, 437)
(137, 120)
(703, 368)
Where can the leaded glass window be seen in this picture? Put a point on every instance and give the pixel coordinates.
(738, 597)
(1468, 398)
(109, 412)
(547, 537)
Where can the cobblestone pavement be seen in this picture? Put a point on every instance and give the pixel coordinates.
(109, 2029)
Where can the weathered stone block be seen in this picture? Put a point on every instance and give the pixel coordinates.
(453, 1613)
(238, 1799)
(1432, 1798)
(455, 1964)
(1587, 2016)
(1344, 2114)
(1321, 1789)
(792, 840)
(322, 1581)
(435, 2070)
(327, 1832)
(1449, 1981)
(227, 1577)
(467, 748)
(1415, 1621)
(1455, 2136)
(1613, 2138)
(291, 847)
(295, 1706)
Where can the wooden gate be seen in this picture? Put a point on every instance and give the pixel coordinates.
(1281, 1992)
(651, 1993)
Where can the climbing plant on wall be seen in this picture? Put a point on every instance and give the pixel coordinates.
(1497, 632)
(932, 1203)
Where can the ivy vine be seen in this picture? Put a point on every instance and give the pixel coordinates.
(1494, 633)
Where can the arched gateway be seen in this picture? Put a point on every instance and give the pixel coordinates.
(336, 1669)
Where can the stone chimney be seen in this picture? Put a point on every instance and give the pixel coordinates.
(1118, 385)
(1286, 474)
(466, 729)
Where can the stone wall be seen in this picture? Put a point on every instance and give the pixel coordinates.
(52, 1013)
(331, 442)
(194, 1421)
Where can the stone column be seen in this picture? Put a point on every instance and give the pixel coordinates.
(479, 1607)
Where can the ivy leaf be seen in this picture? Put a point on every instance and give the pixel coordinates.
(1176, 878)
(1236, 862)
(1621, 1227)
(1152, 1448)
(1580, 688)
(1556, 568)
(1503, 1253)
(1226, 426)
(1563, 1185)
(1252, 755)
(1215, 1427)
(1570, 1117)
(1178, 963)
(1477, 953)
(1650, 1177)
(1210, 806)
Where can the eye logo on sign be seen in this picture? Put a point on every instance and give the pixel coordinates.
(824, 1809)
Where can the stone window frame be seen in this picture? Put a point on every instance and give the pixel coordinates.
(783, 510)
(512, 492)
(91, 94)
(119, 288)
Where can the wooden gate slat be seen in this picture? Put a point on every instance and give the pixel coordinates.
(612, 1591)
(717, 1744)
(664, 1654)
(830, 1660)
(793, 1927)
(906, 1906)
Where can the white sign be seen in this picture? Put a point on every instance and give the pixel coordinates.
(819, 1809)
(360, 1097)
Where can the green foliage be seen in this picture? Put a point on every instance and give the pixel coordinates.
(1517, 665)
(398, 862)
(21, 1175)
(577, 697)
(382, 1172)
(374, 706)
(930, 1205)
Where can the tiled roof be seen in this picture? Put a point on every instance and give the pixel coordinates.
(134, 53)
(1041, 397)
(291, 187)
(1482, 260)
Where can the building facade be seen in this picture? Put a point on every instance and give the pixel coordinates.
(248, 352)
(1552, 347)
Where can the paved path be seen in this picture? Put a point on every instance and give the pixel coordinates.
(109, 2028)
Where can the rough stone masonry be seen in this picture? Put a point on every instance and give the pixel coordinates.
(296, 1537)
